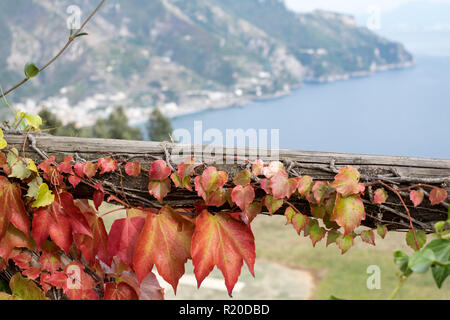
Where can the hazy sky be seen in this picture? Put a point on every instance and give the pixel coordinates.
(352, 6)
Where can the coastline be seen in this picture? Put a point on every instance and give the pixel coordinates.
(242, 102)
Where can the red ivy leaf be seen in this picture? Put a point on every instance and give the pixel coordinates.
(182, 179)
(55, 279)
(380, 196)
(107, 165)
(12, 208)
(79, 285)
(50, 222)
(159, 170)
(66, 166)
(438, 195)
(220, 240)
(273, 168)
(78, 168)
(252, 211)
(99, 195)
(74, 180)
(416, 197)
(265, 185)
(299, 221)
(32, 273)
(78, 222)
(47, 164)
(165, 242)
(257, 167)
(346, 182)
(211, 179)
(133, 168)
(348, 212)
(119, 291)
(320, 190)
(304, 185)
(159, 189)
(50, 262)
(97, 245)
(243, 196)
(22, 260)
(272, 204)
(123, 237)
(279, 184)
(13, 238)
(89, 169)
(242, 178)
(368, 236)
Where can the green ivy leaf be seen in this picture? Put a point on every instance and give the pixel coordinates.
(440, 274)
(439, 226)
(421, 261)
(44, 197)
(81, 34)
(31, 70)
(332, 236)
(402, 260)
(316, 232)
(421, 239)
(382, 231)
(344, 243)
(441, 250)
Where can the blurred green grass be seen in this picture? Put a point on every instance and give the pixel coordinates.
(343, 276)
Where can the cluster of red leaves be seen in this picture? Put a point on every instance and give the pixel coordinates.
(64, 246)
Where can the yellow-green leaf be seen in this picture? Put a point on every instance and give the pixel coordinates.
(25, 289)
(44, 197)
(3, 142)
(33, 120)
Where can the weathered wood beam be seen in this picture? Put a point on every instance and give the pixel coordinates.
(398, 171)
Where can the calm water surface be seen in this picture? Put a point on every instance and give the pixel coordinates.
(402, 112)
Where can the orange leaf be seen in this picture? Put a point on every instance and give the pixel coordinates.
(165, 242)
(133, 168)
(438, 195)
(222, 241)
(12, 208)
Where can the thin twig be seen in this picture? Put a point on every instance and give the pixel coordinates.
(69, 41)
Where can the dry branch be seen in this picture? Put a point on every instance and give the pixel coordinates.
(395, 171)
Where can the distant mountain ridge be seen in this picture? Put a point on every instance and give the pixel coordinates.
(182, 56)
